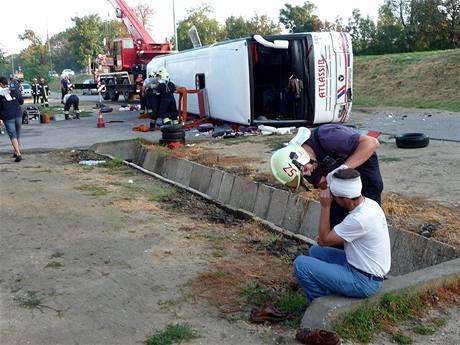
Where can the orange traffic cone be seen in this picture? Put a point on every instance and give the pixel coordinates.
(100, 120)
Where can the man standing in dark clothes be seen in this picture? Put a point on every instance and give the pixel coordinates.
(65, 84)
(43, 92)
(11, 114)
(35, 90)
(167, 108)
(331, 147)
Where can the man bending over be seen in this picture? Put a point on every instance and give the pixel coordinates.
(358, 269)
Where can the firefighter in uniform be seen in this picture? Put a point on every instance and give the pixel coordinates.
(167, 108)
(43, 92)
(71, 100)
(150, 92)
(35, 90)
(139, 89)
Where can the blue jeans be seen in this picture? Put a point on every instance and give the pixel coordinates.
(13, 127)
(326, 272)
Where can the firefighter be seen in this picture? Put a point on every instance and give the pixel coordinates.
(65, 85)
(167, 108)
(139, 89)
(150, 91)
(71, 100)
(43, 92)
(35, 90)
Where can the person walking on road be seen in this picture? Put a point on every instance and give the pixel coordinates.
(11, 114)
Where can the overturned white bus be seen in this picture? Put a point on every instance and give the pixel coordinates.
(295, 79)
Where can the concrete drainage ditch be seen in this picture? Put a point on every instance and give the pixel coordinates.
(417, 262)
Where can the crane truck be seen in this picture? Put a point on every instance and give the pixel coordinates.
(129, 57)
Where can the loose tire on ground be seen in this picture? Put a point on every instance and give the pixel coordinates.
(170, 141)
(174, 135)
(412, 140)
(171, 128)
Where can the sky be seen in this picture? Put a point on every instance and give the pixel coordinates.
(55, 16)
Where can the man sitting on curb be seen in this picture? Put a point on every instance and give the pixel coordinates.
(359, 268)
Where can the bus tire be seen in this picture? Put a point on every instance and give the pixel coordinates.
(412, 140)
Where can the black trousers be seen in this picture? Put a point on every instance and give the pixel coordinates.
(372, 188)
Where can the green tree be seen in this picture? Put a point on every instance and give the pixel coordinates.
(390, 36)
(363, 32)
(209, 30)
(35, 57)
(236, 27)
(86, 38)
(300, 18)
(263, 25)
(451, 10)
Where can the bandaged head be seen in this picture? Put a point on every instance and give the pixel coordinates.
(345, 187)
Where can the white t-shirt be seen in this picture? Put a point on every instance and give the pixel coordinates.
(367, 241)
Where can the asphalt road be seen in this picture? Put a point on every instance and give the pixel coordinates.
(81, 134)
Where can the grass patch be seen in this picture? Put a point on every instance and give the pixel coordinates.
(401, 339)
(31, 301)
(54, 264)
(93, 190)
(215, 237)
(362, 324)
(173, 334)
(85, 113)
(270, 239)
(285, 299)
(56, 255)
(408, 80)
(256, 294)
(275, 142)
(423, 330)
(113, 164)
(389, 159)
(159, 194)
(218, 253)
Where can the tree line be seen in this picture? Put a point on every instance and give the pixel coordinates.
(402, 26)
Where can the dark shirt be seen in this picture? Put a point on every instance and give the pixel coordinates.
(11, 109)
(336, 142)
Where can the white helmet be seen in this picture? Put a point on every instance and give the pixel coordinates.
(287, 163)
(163, 73)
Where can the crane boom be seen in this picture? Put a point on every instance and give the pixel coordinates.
(134, 26)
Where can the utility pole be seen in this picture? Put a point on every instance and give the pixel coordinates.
(12, 65)
(176, 44)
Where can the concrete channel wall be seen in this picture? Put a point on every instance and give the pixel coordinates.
(410, 251)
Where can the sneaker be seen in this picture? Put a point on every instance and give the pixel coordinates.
(14, 155)
(18, 158)
(175, 122)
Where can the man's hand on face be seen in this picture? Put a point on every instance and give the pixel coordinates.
(325, 198)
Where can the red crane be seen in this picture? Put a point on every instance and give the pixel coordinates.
(129, 56)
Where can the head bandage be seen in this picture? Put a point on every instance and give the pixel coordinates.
(346, 188)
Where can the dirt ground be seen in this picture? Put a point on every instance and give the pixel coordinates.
(109, 256)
